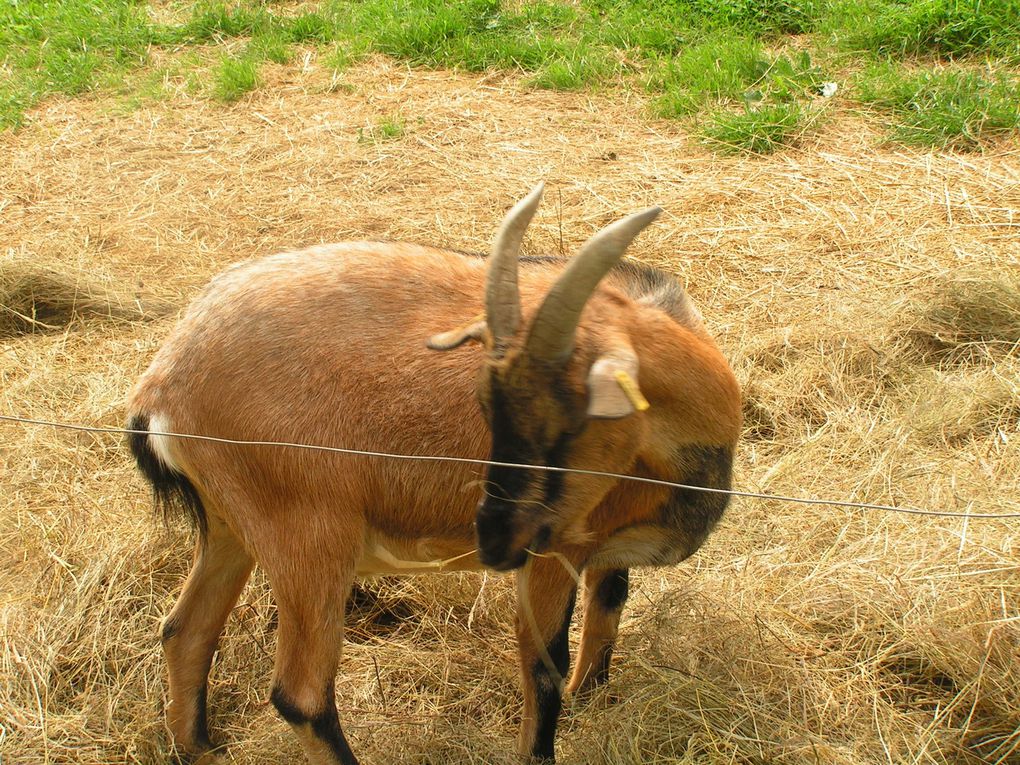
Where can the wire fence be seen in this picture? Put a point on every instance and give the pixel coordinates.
(848, 504)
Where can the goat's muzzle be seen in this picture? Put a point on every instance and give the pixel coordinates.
(505, 535)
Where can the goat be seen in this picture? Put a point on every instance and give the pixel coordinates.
(602, 364)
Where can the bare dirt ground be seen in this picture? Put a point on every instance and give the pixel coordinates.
(868, 297)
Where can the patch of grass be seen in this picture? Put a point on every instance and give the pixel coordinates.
(941, 27)
(770, 17)
(422, 32)
(215, 20)
(720, 68)
(479, 34)
(310, 27)
(342, 56)
(756, 131)
(727, 69)
(67, 47)
(388, 128)
(13, 104)
(235, 76)
(581, 68)
(951, 108)
(649, 27)
(70, 71)
(699, 54)
(272, 46)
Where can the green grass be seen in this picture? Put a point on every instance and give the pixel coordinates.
(730, 64)
(576, 69)
(719, 68)
(949, 28)
(271, 46)
(388, 128)
(234, 77)
(757, 131)
(733, 70)
(12, 108)
(951, 108)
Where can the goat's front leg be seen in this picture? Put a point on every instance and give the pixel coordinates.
(605, 592)
(545, 603)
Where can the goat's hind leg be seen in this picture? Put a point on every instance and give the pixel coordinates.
(192, 629)
(311, 583)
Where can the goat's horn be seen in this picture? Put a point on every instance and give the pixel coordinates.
(552, 333)
(502, 301)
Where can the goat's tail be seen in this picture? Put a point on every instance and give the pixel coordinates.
(173, 493)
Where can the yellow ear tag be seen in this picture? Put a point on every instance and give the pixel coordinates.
(631, 389)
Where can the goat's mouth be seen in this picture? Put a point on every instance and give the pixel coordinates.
(504, 545)
(512, 563)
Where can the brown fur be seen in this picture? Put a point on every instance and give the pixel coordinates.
(327, 346)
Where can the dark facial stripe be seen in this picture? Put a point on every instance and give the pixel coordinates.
(507, 446)
(557, 458)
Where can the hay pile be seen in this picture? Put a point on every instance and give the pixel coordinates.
(38, 297)
(867, 298)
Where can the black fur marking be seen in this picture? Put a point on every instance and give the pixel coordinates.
(510, 446)
(640, 280)
(288, 711)
(172, 492)
(548, 701)
(202, 718)
(495, 530)
(541, 540)
(557, 457)
(507, 446)
(611, 591)
(695, 513)
(325, 725)
(170, 628)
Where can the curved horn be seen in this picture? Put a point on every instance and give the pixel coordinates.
(502, 302)
(552, 333)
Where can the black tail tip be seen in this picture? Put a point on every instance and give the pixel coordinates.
(173, 493)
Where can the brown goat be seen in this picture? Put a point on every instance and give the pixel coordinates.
(324, 346)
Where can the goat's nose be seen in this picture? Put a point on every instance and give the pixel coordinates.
(494, 525)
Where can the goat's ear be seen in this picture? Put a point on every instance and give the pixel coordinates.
(612, 387)
(447, 341)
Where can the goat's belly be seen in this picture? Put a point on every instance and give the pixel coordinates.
(387, 555)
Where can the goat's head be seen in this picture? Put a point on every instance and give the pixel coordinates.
(549, 397)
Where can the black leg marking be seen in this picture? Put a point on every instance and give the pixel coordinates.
(202, 719)
(325, 725)
(548, 698)
(612, 589)
(170, 628)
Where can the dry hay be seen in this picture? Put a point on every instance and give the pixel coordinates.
(37, 297)
(867, 298)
